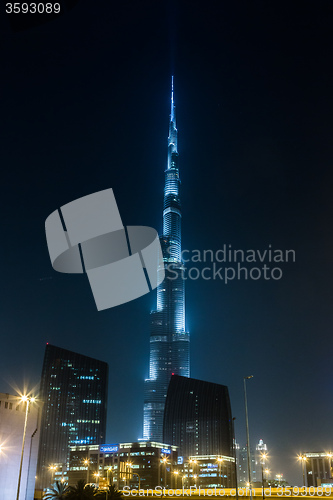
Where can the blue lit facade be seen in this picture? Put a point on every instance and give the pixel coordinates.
(74, 395)
(169, 340)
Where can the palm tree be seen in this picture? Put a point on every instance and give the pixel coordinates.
(82, 491)
(59, 491)
(112, 494)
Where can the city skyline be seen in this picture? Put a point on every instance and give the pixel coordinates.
(87, 100)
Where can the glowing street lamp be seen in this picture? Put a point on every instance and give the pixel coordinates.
(303, 459)
(109, 469)
(28, 400)
(176, 477)
(96, 475)
(87, 463)
(279, 476)
(262, 461)
(52, 468)
(330, 455)
(192, 461)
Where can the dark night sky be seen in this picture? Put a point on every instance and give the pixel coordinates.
(84, 106)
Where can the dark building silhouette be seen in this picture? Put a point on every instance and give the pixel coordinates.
(74, 392)
(169, 340)
(197, 418)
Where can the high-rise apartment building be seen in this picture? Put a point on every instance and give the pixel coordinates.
(260, 461)
(74, 392)
(169, 340)
(197, 418)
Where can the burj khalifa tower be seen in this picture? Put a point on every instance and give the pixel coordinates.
(169, 340)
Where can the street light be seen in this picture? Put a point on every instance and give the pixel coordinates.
(330, 455)
(87, 463)
(192, 461)
(52, 468)
(128, 466)
(107, 474)
(176, 477)
(235, 454)
(303, 459)
(262, 461)
(27, 400)
(195, 479)
(96, 474)
(220, 460)
(248, 436)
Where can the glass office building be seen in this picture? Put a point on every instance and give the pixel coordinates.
(198, 418)
(169, 340)
(74, 395)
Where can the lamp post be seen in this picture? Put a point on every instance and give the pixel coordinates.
(176, 477)
(262, 461)
(248, 436)
(192, 461)
(107, 474)
(139, 478)
(329, 455)
(195, 479)
(220, 460)
(27, 400)
(128, 471)
(96, 475)
(303, 459)
(235, 455)
(52, 468)
(87, 463)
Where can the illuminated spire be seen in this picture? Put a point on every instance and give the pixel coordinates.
(172, 115)
(172, 139)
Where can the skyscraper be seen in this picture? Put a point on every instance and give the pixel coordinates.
(197, 418)
(74, 393)
(169, 340)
